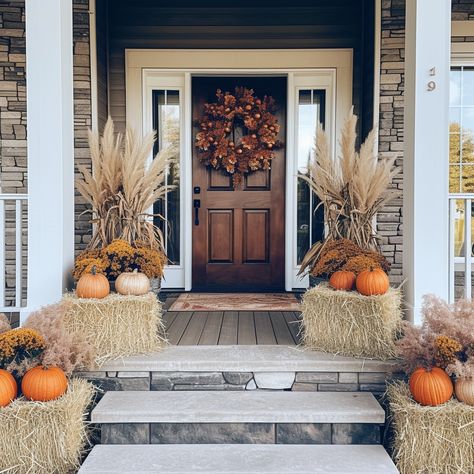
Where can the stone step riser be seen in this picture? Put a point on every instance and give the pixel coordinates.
(374, 382)
(240, 433)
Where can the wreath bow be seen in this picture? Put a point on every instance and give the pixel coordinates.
(217, 140)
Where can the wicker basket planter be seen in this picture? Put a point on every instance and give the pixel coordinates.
(117, 325)
(45, 437)
(431, 439)
(351, 324)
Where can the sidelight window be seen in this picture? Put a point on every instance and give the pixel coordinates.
(310, 218)
(166, 122)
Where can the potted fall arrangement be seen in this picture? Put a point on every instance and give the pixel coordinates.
(42, 408)
(121, 191)
(441, 348)
(432, 429)
(352, 188)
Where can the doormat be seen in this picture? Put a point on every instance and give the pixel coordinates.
(236, 302)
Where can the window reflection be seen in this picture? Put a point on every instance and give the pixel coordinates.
(166, 123)
(461, 130)
(310, 224)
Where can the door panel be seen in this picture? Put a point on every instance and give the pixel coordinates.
(255, 235)
(221, 235)
(239, 242)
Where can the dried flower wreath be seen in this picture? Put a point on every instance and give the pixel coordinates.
(218, 143)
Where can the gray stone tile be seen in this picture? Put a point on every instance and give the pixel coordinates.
(373, 387)
(339, 387)
(348, 377)
(274, 380)
(109, 384)
(186, 378)
(355, 433)
(125, 433)
(238, 378)
(303, 433)
(304, 387)
(372, 377)
(196, 388)
(317, 377)
(212, 433)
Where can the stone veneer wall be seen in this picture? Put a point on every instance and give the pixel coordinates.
(82, 112)
(390, 220)
(13, 164)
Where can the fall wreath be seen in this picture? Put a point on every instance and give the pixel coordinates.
(232, 115)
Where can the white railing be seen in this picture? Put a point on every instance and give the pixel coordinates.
(460, 246)
(13, 227)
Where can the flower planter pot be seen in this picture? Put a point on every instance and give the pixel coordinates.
(464, 390)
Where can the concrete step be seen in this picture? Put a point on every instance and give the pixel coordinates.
(238, 407)
(239, 417)
(238, 458)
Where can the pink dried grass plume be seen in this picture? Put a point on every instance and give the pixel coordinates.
(4, 323)
(65, 349)
(418, 348)
(455, 320)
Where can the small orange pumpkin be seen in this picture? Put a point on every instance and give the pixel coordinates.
(372, 282)
(93, 285)
(8, 388)
(431, 386)
(342, 280)
(43, 384)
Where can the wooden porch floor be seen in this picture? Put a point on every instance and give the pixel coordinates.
(232, 327)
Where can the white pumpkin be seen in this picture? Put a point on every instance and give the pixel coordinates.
(132, 283)
(464, 389)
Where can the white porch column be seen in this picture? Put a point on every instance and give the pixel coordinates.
(425, 163)
(50, 129)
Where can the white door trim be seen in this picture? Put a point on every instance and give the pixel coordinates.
(297, 65)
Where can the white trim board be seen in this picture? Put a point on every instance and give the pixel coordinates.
(332, 69)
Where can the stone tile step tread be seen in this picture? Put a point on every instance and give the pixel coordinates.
(247, 359)
(238, 407)
(241, 458)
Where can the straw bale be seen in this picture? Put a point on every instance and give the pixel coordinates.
(428, 439)
(45, 437)
(348, 323)
(117, 325)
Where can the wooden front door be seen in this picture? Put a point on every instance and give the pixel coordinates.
(239, 234)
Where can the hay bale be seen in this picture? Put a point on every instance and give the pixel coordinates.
(45, 437)
(348, 323)
(118, 326)
(431, 439)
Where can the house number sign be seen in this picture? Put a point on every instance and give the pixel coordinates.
(431, 86)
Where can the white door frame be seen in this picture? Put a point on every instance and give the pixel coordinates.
(331, 67)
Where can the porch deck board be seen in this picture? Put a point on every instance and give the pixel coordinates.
(229, 329)
(194, 329)
(223, 328)
(263, 328)
(177, 327)
(246, 331)
(280, 328)
(212, 329)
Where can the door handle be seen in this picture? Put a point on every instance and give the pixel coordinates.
(197, 205)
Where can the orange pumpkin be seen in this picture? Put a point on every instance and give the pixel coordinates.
(431, 386)
(372, 282)
(93, 285)
(342, 280)
(8, 388)
(43, 384)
